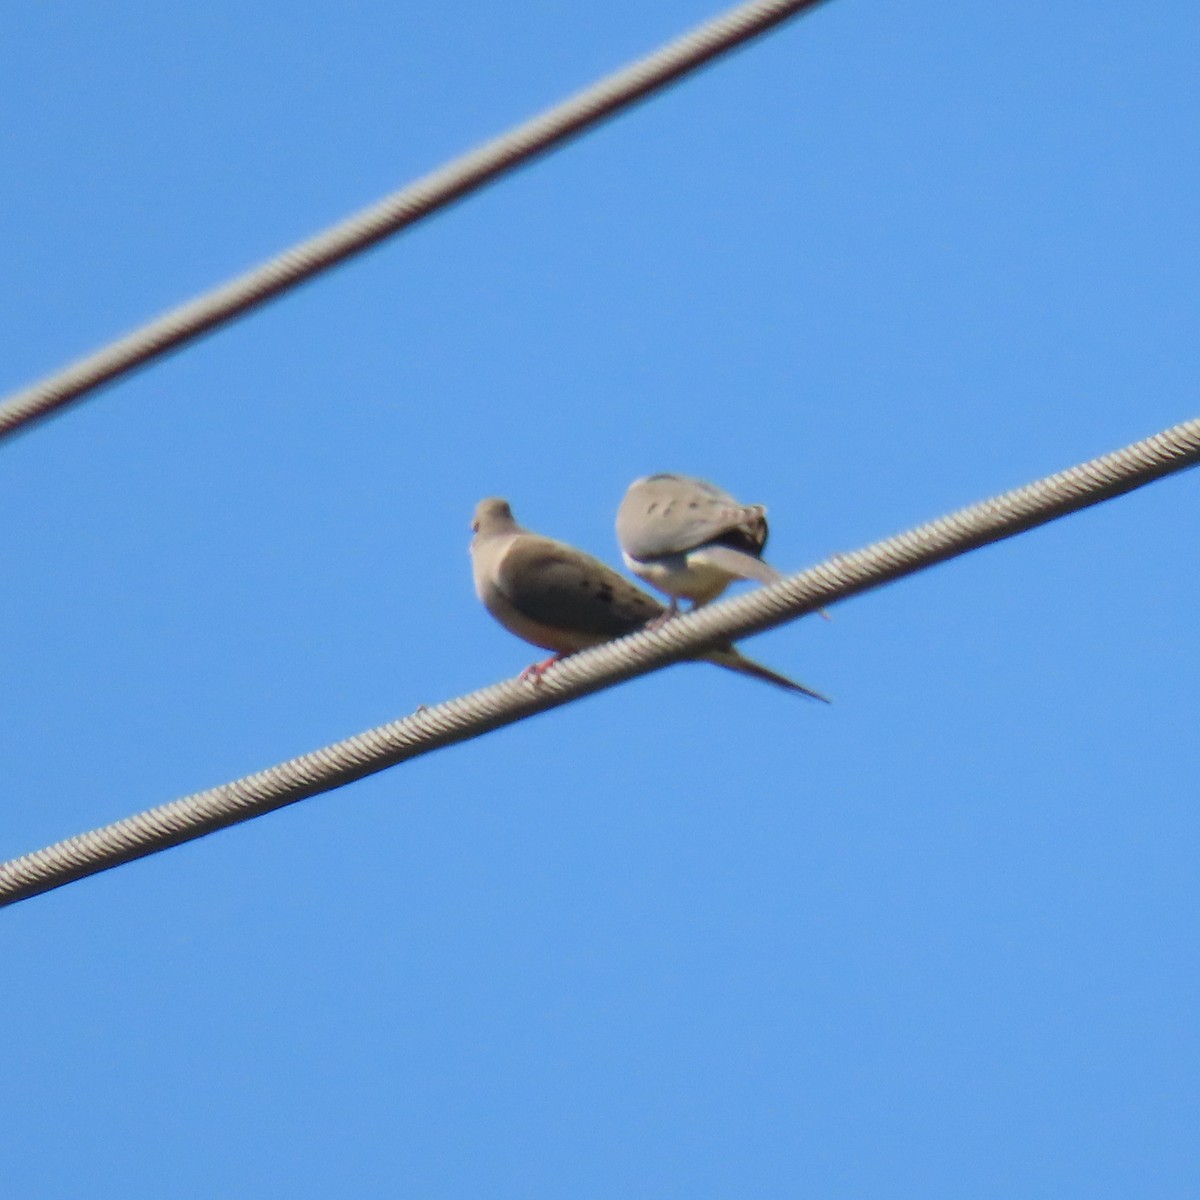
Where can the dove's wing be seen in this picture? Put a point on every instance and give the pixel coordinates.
(663, 515)
(564, 589)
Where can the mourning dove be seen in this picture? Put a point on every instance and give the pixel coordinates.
(689, 539)
(561, 599)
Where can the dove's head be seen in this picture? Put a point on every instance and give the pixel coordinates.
(492, 516)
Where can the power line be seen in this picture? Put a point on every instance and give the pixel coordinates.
(504, 703)
(420, 199)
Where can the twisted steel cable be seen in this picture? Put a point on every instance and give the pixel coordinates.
(420, 199)
(504, 703)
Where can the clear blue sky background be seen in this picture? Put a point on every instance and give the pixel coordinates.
(692, 937)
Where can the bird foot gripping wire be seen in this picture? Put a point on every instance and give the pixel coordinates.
(535, 671)
(663, 618)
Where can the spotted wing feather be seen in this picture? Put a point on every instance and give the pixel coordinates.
(670, 514)
(560, 587)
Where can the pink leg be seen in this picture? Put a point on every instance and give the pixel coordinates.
(659, 621)
(536, 670)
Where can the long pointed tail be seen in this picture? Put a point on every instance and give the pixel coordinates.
(733, 659)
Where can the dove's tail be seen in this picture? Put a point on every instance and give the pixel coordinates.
(734, 660)
(741, 566)
(735, 562)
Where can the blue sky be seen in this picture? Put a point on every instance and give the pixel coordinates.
(690, 937)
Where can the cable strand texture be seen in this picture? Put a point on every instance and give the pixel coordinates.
(403, 208)
(502, 704)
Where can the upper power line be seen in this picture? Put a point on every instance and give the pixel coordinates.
(420, 199)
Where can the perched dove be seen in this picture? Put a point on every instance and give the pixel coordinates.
(689, 539)
(561, 599)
